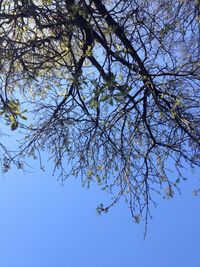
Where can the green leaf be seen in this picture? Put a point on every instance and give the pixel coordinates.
(12, 118)
(111, 101)
(118, 99)
(23, 117)
(14, 125)
(105, 98)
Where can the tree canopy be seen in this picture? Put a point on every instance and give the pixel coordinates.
(110, 88)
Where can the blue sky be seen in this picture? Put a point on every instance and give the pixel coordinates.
(43, 224)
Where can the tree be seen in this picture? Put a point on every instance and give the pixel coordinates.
(111, 88)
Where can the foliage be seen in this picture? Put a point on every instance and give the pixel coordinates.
(111, 87)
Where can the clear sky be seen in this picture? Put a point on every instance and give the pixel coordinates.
(43, 224)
